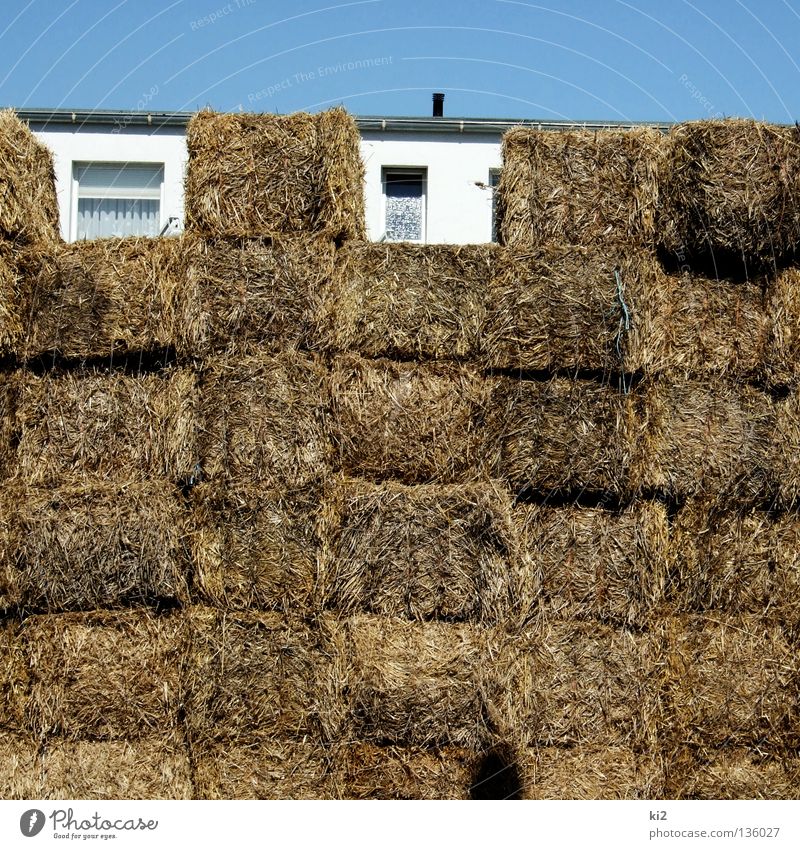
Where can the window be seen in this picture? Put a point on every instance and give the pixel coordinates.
(114, 199)
(404, 193)
(494, 179)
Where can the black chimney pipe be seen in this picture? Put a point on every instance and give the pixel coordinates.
(438, 104)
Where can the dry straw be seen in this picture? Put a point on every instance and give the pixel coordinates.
(263, 292)
(254, 547)
(707, 438)
(8, 403)
(150, 768)
(28, 203)
(578, 187)
(20, 767)
(417, 683)
(731, 681)
(13, 678)
(255, 677)
(593, 563)
(106, 426)
(11, 296)
(582, 684)
(105, 675)
(265, 420)
(367, 771)
(420, 552)
(98, 298)
(409, 301)
(590, 772)
(417, 422)
(81, 547)
(786, 447)
(571, 307)
(737, 562)
(782, 358)
(731, 186)
(267, 769)
(563, 434)
(731, 773)
(705, 326)
(258, 175)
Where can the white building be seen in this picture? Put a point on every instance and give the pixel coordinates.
(427, 179)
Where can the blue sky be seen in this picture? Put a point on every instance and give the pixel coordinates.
(574, 59)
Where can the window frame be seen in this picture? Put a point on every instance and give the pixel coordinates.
(493, 182)
(80, 165)
(420, 171)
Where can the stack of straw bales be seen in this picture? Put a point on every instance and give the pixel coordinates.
(285, 514)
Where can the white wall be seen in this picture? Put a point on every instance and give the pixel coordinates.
(100, 143)
(458, 210)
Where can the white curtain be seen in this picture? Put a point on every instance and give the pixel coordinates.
(99, 217)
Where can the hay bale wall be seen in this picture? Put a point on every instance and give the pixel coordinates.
(730, 187)
(28, 203)
(107, 296)
(285, 514)
(421, 552)
(257, 292)
(259, 175)
(409, 301)
(578, 187)
(106, 425)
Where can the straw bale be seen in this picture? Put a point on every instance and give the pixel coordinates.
(782, 357)
(20, 768)
(254, 547)
(732, 774)
(578, 187)
(11, 298)
(730, 186)
(263, 292)
(405, 772)
(265, 420)
(81, 547)
(580, 684)
(417, 422)
(107, 425)
(706, 438)
(14, 684)
(563, 434)
(562, 307)
(594, 563)
(8, 403)
(420, 552)
(731, 681)
(786, 447)
(104, 675)
(256, 677)
(257, 174)
(151, 768)
(591, 773)
(738, 562)
(705, 325)
(409, 301)
(417, 683)
(107, 296)
(28, 203)
(267, 769)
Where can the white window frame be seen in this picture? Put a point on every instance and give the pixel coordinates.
(79, 164)
(420, 171)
